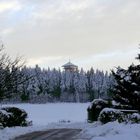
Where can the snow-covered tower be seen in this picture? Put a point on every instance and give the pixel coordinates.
(70, 67)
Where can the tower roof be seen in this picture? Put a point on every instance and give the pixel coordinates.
(69, 64)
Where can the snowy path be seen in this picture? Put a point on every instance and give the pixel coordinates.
(52, 134)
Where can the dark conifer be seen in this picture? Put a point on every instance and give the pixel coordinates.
(127, 88)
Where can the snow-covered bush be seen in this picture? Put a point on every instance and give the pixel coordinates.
(95, 108)
(4, 116)
(135, 118)
(110, 115)
(12, 116)
(126, 116)
(1, 126)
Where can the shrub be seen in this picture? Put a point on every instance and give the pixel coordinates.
(110, 115)
(4, 117)
(95, 108)
(12, 116)
(135, 118)
(126, 116)
(1, 126)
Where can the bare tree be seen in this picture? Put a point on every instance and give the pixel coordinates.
(10, 75)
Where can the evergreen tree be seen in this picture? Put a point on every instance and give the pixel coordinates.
(127, 88)
(89, 88)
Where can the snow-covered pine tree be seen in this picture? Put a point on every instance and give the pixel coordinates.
(54, 84)
(127, 88)
(89, 88)
(82, 86)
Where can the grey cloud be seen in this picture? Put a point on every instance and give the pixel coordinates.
(73, 28)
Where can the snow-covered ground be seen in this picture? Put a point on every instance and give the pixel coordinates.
(112, 131)
(42, 114)
(49, 115)
(70, 115)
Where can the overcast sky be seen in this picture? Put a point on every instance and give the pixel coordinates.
(92, 33)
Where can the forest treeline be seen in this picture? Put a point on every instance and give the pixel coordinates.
(50, 85)
(19, 83)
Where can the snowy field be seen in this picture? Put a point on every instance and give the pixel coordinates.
(70, 115)
(42, 114)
